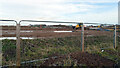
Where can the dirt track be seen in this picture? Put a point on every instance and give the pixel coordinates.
(51, 33)
(27, 31)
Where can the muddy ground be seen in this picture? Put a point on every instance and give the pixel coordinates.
(49, 32)
(80, 59)
(76, 58)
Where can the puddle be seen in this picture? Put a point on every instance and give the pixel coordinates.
(26, 31)
(62, 31)
(14, 38)
(89, 35)
(11, 33)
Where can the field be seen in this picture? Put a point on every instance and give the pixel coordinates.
(48, 32)
(49, 48)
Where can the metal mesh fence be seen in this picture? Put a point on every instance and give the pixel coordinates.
(118, 37)
(46, 41)
(8, 42)
(0, 46)
(41, 41)
(99, 37)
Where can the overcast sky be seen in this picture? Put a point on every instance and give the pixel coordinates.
(103, 11)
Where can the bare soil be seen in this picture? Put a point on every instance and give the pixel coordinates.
(49, 32)
(82, 58)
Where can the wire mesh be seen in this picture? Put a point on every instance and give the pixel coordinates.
(118, 36)
(0, 46)
(46, 41)
(8, 42)
(42, 41)
(99, 37)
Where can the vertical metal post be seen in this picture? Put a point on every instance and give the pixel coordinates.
(82, 38)
(115, 37)
(1, 47)
(18, 45)
(118, 35)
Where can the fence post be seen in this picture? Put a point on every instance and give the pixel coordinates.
(82, 38)
(18, 45)
(114, 38)
(118, 35)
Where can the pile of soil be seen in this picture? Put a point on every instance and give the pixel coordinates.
(82, 58)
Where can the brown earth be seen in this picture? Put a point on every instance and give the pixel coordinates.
(49, 32)
(82, 58)
(112, 52)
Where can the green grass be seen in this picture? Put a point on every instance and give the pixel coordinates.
(39, 48)
(42, 48)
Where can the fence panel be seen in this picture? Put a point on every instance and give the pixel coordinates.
(42, 41)
(8, 42)
(99, 37)
(118, 37)
(0, 46)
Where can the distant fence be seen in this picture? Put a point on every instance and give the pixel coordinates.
(94, 37)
